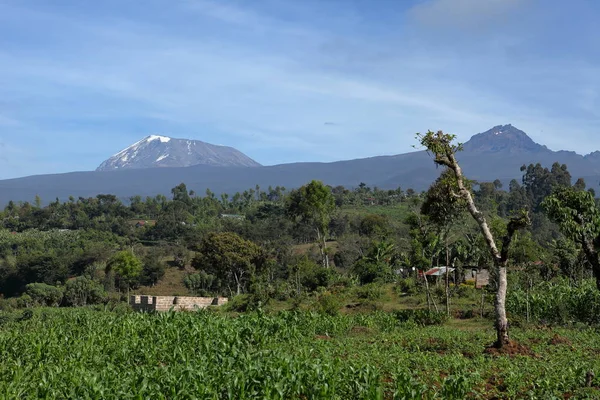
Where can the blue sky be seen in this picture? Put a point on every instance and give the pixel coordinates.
(290, 80)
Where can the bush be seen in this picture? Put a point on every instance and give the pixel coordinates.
(407, 286)
(369, 271)
(153, 270)
(311, 275)
(345, 281)
(240, 303)
(260, 292)
(284, 291)
(82, 291)
(126, 268)
(25, 301)
(44, 295)
(9, 304)
(421, 317)
(371, 291)
(199, 283)
(327, 304)
(465, 314)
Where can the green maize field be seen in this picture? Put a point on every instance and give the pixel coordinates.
(92, 354)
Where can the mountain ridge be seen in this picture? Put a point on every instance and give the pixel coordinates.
(494, 154)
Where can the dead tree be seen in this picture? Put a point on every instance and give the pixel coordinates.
(444, 150)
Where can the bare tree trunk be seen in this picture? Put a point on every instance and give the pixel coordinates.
(430, 299)
(482, 301)
(528, 289)
(500, 258)
(501, 321)
(447, 279)
(323, 248)
(238, 284)
(427, 292)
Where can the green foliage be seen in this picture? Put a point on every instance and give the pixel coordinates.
(312, 204)
(407, 286)
(371, 291)
(327, 304)
(199, 283)
(153, 269)
(181, 257)
(229, 257)
(82, 291)
(290, 355)
(369, 271)
(44, 295)
(126, 267)
(575, 212)
(440, 144)
(307, 274)
(539, 182)
(442, 204)
(421, 317)
(374, 225)
(239, 303)
(557, 302)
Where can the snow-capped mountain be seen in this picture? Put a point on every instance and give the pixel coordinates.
(162, 151)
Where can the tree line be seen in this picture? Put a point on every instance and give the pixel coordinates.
(279, 243)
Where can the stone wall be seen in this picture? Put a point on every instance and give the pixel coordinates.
(176, 303)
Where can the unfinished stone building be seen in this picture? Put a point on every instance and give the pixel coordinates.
(175, 303)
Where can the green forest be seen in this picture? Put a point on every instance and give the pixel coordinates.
(278, 244)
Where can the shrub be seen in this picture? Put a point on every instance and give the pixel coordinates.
(199, 283)
(239, 303)
(127, 269)
(260, 292)
(153, 270)
(328, 304)
(25, 301)
(44, 295)
(407, 286)
(311, 275)
(346, 281)
(370, 271)
(283, 291)
(465, 291)
(181, 257)
(9, 304)
(421, 317)
(371, 291)
(465, 314)
(82, 291)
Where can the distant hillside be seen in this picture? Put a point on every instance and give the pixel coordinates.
(162, 151)
(495, 154)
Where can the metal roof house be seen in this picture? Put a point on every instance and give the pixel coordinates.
(439, 271)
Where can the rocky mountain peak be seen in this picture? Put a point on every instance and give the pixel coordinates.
(503, 139)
